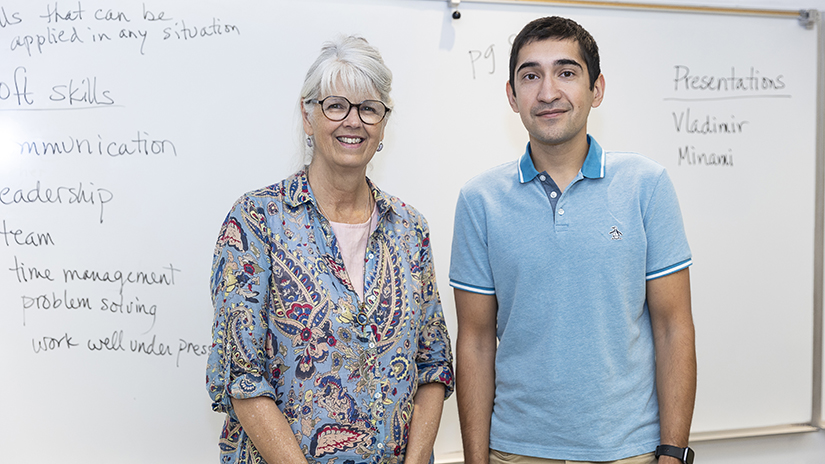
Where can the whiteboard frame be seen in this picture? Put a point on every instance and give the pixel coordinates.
(819, 232)
(673, 8)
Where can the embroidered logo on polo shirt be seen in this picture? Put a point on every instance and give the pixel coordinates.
(615, 234)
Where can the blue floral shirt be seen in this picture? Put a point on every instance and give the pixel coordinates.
(289, 325)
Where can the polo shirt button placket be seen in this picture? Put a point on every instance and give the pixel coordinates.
(562, 218)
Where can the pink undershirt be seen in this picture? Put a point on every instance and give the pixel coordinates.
(352, 242)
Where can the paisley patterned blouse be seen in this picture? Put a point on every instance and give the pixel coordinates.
(289, 325)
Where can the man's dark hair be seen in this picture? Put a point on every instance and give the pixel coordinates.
(558, 28)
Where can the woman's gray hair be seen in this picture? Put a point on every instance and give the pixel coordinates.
(353, 62)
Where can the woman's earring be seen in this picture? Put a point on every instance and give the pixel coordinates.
(309, 142)
(380, 146)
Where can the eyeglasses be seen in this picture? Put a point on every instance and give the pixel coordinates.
(338, 108)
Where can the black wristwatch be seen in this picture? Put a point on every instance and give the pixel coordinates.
(683, 454)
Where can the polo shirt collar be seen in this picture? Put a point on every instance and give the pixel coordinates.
(593, 166)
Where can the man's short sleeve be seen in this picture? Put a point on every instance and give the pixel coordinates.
(667, 245)
(469, 263)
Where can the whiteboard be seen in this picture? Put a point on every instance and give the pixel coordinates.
(128, 129)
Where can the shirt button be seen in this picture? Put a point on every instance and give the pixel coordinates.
(377, 395)
(543, 178)
(371, 256)
(372, 345)
(561, 211)
(553, 194)
(380, 446)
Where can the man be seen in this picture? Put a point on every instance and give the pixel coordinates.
(570, 271)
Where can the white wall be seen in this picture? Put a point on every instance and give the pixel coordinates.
(804, 448)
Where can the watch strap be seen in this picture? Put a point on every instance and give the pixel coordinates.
(683, 454)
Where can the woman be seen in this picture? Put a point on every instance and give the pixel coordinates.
(329, 341)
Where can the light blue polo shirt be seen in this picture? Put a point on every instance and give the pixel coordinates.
(575, 361)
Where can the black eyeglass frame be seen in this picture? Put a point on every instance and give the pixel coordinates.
(387, 109)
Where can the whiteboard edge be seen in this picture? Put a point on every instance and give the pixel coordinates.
(752, 432)
(458, 457)
(819, 228)
(660, 7)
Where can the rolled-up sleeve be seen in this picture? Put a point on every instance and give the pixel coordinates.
(241, 342)
(434, 357)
